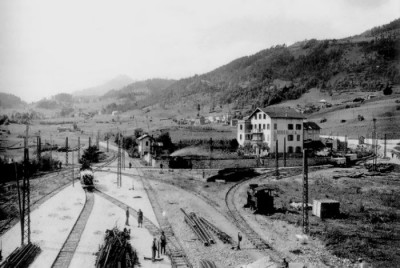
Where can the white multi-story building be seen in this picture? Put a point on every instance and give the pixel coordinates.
(265, 126)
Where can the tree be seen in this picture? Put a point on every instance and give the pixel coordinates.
(388, 90)
(91, 155)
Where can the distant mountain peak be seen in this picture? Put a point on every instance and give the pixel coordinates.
(115, 83)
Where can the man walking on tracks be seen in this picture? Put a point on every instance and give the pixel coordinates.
(154, 249)
(127, 216)
(163, 242)
(140, 218)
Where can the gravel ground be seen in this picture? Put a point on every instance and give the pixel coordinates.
(172, 199)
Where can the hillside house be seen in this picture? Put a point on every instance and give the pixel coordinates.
(198, 121)
(265, 126)
(144, 144)
(311, 131)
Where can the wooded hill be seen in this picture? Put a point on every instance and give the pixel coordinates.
(366, 62)
(10, 101)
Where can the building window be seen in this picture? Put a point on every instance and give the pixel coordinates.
(290, 149)
(259, 126)
(267, 126)
(298, 126)
(290, 137)
(259, 116)
(298, 137)
(290, 126)
(275, 126)
(265, 116)
(240, 137)
(241, 127)
(263, 126)
(147, 143)
(298, 149)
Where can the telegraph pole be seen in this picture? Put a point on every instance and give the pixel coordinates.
(276, 159)
(305, 193)
(66, 151)
(374, 144)
(119, 164)
(26, 199)
(79, 148)
(384, 145)
(284, 152)
(73, 171)
(98, 139)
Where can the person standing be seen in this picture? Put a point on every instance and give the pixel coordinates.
(239, 240)
(163, 242)
(140, 218)
(127, 216)
(154, 249)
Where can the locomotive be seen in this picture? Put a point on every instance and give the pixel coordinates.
(86, 178)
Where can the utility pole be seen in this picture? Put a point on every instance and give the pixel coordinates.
(66, 151)
(305, 193)
(38, 148)
(79, 148)
(374, 162)
(98, 139)
(119, 164)
(26, 199)
(384, 145)
(90, 141)
(123, 153)
(276, 159)
(73, 171)
(284, 152)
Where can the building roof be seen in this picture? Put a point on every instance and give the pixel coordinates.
(280, 112)
(144, 136)
(310, 126)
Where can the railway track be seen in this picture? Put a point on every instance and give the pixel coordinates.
(244, 227)
(175, 250)
(67, 251)
(44, 198)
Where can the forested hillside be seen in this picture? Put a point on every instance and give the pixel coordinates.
(367, 62)
(10, 101)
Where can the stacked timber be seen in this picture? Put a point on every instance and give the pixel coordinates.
(198, 228)
(117, 251)
(22, 257)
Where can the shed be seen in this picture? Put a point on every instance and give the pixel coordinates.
(326, 208)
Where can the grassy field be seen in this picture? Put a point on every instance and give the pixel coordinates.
(369, 224)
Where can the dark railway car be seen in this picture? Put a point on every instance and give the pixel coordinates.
(87, 178)
(260, 198)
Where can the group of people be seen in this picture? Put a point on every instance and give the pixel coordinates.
(139, 217)
(158, 246)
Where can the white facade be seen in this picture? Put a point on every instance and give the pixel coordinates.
(144, 145)
(267, 128)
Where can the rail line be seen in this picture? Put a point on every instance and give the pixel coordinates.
(67, 251)
(44, 198)
(175, 250)
(242, 224)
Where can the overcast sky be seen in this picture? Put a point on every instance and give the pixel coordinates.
(50, 46)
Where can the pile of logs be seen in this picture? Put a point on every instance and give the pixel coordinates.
(225, 238)
(198, 228)
(117, 251)
(380, 167)
(22, 257)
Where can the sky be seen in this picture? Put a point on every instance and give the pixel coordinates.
(53, 46)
